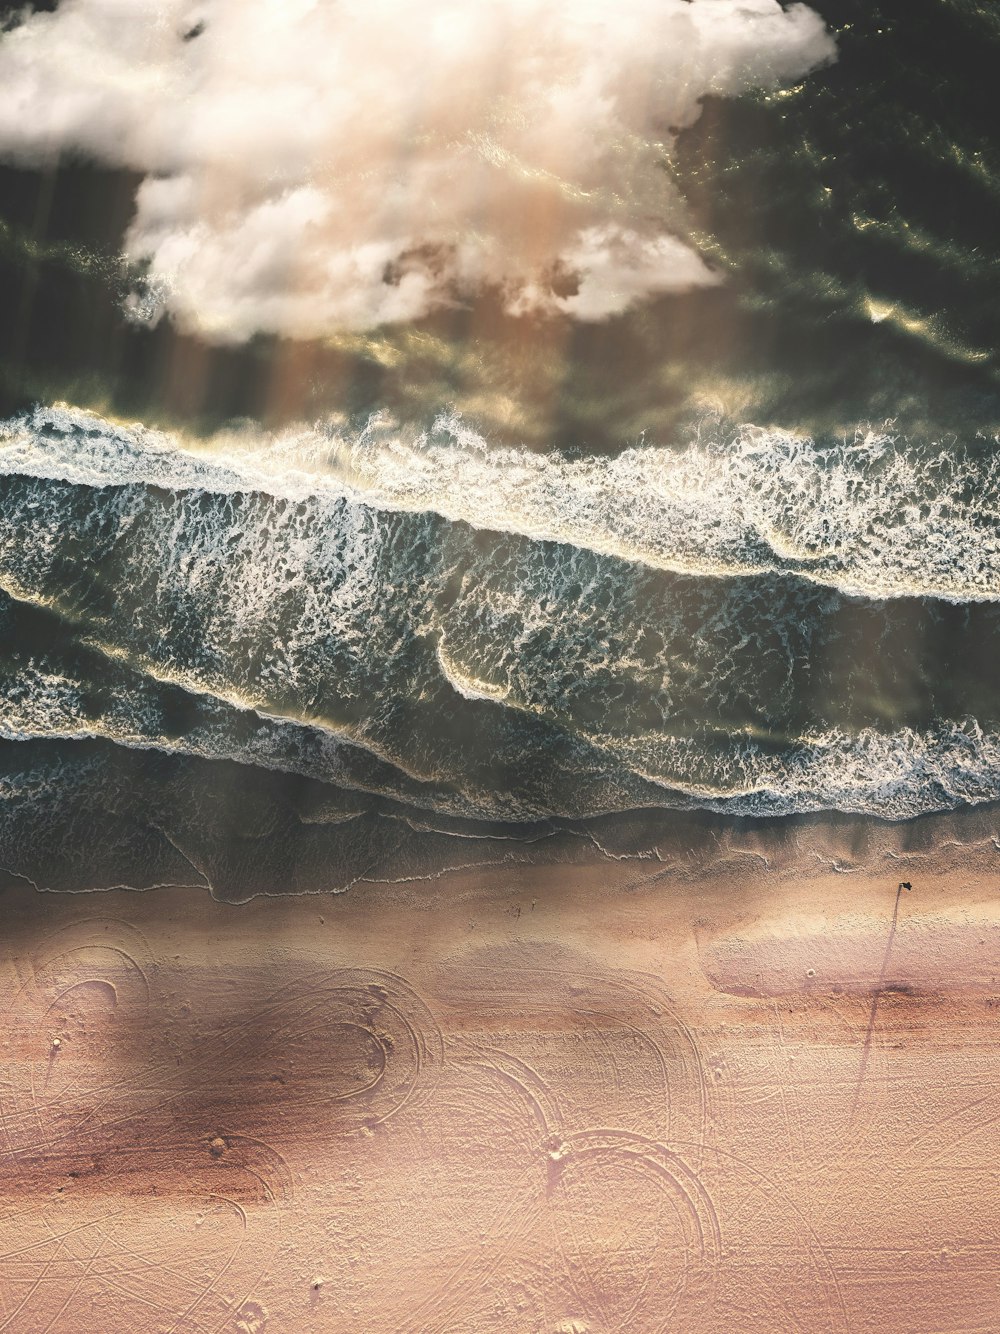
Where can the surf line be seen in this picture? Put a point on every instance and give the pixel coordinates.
(879, 987)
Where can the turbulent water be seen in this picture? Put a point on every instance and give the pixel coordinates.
(735, 551)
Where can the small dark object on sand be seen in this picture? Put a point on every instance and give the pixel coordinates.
(905, 884)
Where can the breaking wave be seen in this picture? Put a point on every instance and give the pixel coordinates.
(895, 777)
(753, 624)
(871, 516)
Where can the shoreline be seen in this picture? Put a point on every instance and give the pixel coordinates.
(236, 860)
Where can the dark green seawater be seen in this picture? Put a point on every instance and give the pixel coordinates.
(338, 604)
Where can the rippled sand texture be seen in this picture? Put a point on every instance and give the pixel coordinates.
(608, 1104)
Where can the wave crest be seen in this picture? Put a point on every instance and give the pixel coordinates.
(260, 599)
(872, 516)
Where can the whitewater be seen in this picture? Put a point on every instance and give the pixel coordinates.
(496, 634)
(873, 516)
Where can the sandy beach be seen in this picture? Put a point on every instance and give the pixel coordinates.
(586, 1099)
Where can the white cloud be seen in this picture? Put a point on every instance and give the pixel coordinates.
(320, 164)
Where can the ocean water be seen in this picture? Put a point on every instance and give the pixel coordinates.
(356, 606)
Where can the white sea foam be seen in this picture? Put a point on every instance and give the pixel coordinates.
(323, 619)
(870, 516)
(44, 702)
(893, 776)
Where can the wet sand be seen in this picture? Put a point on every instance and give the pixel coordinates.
(583, 1098)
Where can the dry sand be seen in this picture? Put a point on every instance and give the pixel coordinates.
(566, 1100)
